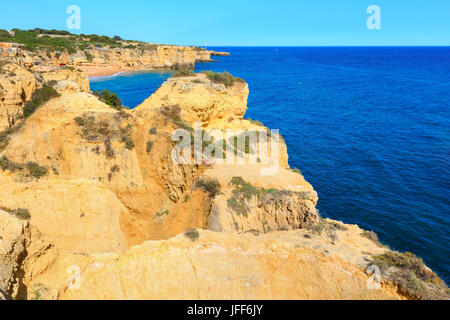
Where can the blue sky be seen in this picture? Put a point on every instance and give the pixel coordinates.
(243, 22)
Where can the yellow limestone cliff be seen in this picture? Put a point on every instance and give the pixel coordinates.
(94, 207)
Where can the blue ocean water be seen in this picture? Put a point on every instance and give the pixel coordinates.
(368, 127)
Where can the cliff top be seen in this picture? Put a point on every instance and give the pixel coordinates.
(60, 40)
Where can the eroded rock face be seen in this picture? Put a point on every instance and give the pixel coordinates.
(12, 252)
(250, 201)
(150, 57)
(225, 266)
(79, 215)
(68, 79)
(201, 100)
(17, 85)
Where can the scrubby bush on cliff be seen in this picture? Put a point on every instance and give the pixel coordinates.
(244, 191)
(110, 98)
(173, 113)
(30, 169)
(210, 186)
(372, 236)
(5, 135)
(222, 77)
(39, 97)
(89, 56)
(411, 275)
(192, 234)
(184, 73)
(20, 213)
(105, 130)
(149, 146)
(36, 170)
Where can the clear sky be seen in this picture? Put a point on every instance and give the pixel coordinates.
(243, 22)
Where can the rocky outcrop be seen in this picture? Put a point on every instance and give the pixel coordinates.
(12, 250)
(220, 54)
(215, 106)
(16, 86)
(225, 266)
(18, 83)
(74, 213)
(243, 207)
(199, 99)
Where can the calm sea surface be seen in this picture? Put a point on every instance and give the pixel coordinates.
(368, 127)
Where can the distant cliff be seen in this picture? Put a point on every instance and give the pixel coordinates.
(39, 49)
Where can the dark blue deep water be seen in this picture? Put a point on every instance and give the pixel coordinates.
(368, 127)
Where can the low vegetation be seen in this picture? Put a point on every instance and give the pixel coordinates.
(39, 97)
(210, 186)
(244, 192)
(153, 131)
(57, 40)
(149, 146)
(20, 213)
(105, 130)
(371, 235)
(29, 169)
(173, 113)
(183, 73)
(192, 234)
(109, 98)
(411, 275)
(5, 135)
(321, 226)
(224, 78)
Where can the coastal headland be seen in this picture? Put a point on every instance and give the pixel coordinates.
(96, 204)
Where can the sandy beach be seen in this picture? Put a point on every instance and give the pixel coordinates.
(95, 71)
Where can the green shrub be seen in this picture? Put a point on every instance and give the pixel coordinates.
(225, 78)
(183, 73)
(5, 135)
(149, 146)
(244, 191)
(153, 131)
(109, 98)
(372, 236)
(411, 275)
(6, 164)
(109, 151)
(173, 113)
(39, 97)
(296, 170)
(210, 186)
(186, 198)
(21, 213)
(36, 170)
(129, 143)
(192, 234)
(89, 56)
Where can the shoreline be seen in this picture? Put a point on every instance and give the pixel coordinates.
(93, 71)
(97, 73)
